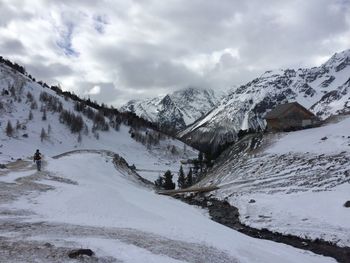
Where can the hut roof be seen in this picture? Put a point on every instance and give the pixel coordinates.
(281, 109)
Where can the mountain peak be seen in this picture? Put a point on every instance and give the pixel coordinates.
(184, 106)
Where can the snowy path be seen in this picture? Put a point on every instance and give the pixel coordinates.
(81, 200)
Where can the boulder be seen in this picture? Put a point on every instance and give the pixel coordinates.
(80, 252)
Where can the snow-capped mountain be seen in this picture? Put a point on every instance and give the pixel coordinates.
(176, 110)
(324, 90)
(41, 118)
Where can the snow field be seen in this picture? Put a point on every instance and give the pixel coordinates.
(108, 199)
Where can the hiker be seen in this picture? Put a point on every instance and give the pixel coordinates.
(37, 159)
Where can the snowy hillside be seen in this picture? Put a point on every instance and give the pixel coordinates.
(101, 208)
(175, 110)
(324, 89)
(294, 183)
(24, 103)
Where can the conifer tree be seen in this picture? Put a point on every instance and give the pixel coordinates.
(30, 117)
(189, 178)
(44, 115)
(42, 135)
(9, 129)
(181, 181)
(18, 125)
(168, 181)
(159, 182)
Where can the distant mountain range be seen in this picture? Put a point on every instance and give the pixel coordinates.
(207, 120)
(176, 110)
(325, 90)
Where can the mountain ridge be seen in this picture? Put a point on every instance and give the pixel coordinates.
(324, 90)
(174, 111)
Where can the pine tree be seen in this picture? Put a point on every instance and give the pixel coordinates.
(168, 181)
(200, 157)
(159, 182)
(9, 129)
(18, 125)
(30, 117)
(44, 115)
(49, 129)
(173, 150)
(181, 181)
(42, 135)
(189, 178)
(200, 160)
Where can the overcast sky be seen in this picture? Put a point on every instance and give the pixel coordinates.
(114, 51)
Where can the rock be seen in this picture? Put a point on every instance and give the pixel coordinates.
(324, 138)
(25, 135)
(79, 252)
(48, 245)
(347, 204)
(2, 166)
(251, 201)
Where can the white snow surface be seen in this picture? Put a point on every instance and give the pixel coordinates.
(152, 161)
(316, 214)
(298, 180)
(107, 198)
(331, 138)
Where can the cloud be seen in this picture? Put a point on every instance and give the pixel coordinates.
(95, 90)
(133, 49)
(12, 46)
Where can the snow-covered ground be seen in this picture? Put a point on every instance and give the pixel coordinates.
(332, 138)
(298, 180)
(157, 158)
(96, 206)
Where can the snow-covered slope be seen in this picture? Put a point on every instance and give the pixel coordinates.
(26, 137)
(100, 208)
(294, 183)
(325, 90)
(176, 110)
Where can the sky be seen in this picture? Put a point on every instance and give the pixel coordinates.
(113, 51)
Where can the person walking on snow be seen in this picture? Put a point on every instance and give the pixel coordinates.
(37, 159)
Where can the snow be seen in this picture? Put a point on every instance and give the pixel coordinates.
(106, 198)
(12, 177)
(299, 180)
(189, 104)
(157, 158)
(331, 138)
(312, 214)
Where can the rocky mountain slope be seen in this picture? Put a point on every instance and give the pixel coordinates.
(293, 183)
(176, 110)
(324, 90)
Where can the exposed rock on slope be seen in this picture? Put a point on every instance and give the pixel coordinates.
(324, 90)
(176, 110)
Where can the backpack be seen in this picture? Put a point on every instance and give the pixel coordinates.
(37, 156)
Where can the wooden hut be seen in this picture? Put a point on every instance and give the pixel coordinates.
(290, 116)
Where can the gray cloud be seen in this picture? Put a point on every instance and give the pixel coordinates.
(12, 46)
(133, 49)
(48, 72)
